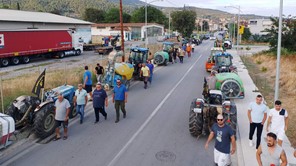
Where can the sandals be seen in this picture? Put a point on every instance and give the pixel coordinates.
(56, 138)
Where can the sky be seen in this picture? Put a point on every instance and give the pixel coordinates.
(258, 7)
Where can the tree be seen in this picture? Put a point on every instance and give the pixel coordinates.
(288, 33)
(153, 16)
(94, 15)
(205, 25)
(247, 34)
(113, 16)
(184, 21)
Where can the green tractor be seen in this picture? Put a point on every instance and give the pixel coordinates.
(230, 85)
(138, 56)
(163, 57)
(32, 111)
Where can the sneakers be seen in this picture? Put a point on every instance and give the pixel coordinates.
(106, 117)
(250, 143)
(124, 115)
(116, 121)
(81, 121)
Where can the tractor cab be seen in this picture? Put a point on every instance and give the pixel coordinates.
(138, 56)
(211, 60)
(223, 63)
(168, 47)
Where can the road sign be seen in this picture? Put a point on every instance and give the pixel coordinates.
(241, 29)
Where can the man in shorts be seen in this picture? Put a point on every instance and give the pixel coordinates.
(62, 110)
(224, 137)
(87, 82)
(278, 121)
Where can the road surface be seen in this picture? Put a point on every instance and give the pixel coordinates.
(155, 132)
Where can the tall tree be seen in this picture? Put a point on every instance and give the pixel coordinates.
(113, 16)
(94, 15)
(154, 15)
(184, 21)
(288, 33)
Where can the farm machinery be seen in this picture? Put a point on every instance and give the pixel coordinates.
(223, 63)
(32, 111)
(203, 112)
(163, 57)
(137, 57)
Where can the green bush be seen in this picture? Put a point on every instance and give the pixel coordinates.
(258, 62)
(263, 69)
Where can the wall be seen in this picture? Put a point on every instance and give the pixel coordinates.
(258, 25)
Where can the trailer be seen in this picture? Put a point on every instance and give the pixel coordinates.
(19, 46)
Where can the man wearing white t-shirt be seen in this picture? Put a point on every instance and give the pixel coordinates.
(257, 114)
(278, 121)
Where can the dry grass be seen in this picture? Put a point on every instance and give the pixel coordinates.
(287, 84)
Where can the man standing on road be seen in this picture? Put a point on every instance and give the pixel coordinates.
(257, 114)
(99, 72)
(272, 153)
(62, 110)
(100, 100)
(188, 50)
(80, 101)
(151, 68)
(224, 136)
(145, 72)
(278, 117)
(119, 98)
(87, 82)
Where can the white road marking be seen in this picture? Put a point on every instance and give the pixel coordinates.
(115, 159)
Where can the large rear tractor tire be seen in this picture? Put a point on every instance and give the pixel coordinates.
(73, 112)
(44, 121)
(232, 122)
(195, 121)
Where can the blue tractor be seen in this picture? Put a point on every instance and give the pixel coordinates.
(138, 56)
(31, 110)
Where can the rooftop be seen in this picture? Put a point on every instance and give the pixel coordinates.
(124, 24)
(41, 17)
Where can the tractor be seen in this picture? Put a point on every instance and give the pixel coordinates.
(231, 85)
(223, 63)
(32, 111)
(164, 56)
(211, 60)
(203, 112)
(138, 56)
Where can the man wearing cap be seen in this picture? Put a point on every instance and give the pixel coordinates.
(119, 97)
(80, 101)
(100, 100)
(99, 72)
(224, 136)
(62, 110)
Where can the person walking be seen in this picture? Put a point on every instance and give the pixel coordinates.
(151, 68)
(211, 80)
(257, 114)
(271, 152)
(188, 50)
(145, 72)
(192, 47)
(119, 97)
(278, 121)
(181, 54)
(80, 101)
(87, 82)
(100, 101)
(62, 110)
(224, 137)
(99, 72)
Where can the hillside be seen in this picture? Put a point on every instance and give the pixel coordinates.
(76, 8)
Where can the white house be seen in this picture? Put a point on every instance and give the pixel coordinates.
(258, 25)
(17, 19)
(132, 31)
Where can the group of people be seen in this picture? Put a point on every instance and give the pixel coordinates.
(258, 113)
(98, 96)
(181, 52)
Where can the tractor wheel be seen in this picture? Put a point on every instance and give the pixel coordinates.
(226, 45)
(44, 121)
(231, 88)
(73, 112)
(232, 122)
(195, 121)
(165, 62)
(127, 84)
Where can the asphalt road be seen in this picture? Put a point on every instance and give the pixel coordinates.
(155, 131)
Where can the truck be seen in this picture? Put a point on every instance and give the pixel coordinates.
(20, 46)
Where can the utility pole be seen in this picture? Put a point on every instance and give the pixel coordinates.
(277, 80)
(121, 29)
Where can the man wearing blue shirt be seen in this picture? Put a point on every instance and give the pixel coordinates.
(119, 98)
(87, 81)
